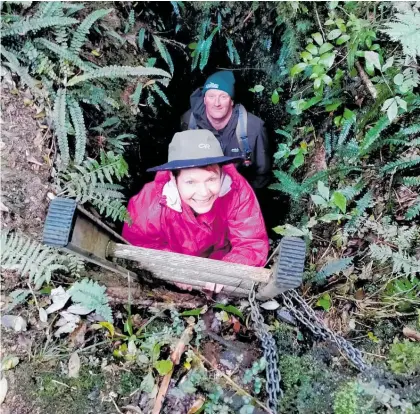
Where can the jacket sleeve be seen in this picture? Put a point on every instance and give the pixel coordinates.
(146, 229)
(261, 158)
(246, 230)
(185, 120)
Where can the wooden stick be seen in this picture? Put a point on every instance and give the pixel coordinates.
(153, 260)
(175, 358)
(368, 83)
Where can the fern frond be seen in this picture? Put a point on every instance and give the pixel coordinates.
(160, 93)
(79, 36)
(357, 215)
(413, 211)
(345, 131)
(22, 72)
(47, 8)
(411, 181)
(59, 120)
(405, 29)
(118, 143)
(31, 25)
(112, 72)
(206, 46)
(141, 36)
(78, 121)
(91, 295)
(65, 53)
(373, 134)
(136, 96)
(352, 191)
(31, 257)
(400, 165)
(331, 268)
(287, 185)
(164, 53)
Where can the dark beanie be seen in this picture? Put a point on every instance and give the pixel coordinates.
(223, 81)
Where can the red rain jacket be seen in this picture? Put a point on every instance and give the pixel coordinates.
(232, 231)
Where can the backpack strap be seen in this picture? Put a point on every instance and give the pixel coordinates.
(242, 134)
(192, 123)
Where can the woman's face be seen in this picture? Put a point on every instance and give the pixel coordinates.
(200, 187)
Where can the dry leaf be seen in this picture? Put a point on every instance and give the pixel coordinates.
(198, 403)
(270, 305)
(32, 160)
(78, 310)
(3, 389)
(3, 207)
(74, 365)
(43, 316)
(77, 337)
(9, 362)
(15, 322)
(59, 297)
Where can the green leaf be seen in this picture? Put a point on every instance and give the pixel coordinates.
(298, 160)
(163, 366)
(327, 59)
(340, 201)
(312, 49)
(373, 59)
(288, 230)
(332, 107)
(148, 383)
(258, 88)
(391, 108)
(328, 218)
(229, 309)
(317, 83)
(298, 68)
(342, 39)
(318, 200)
(194, 312)
(193, 45)
(323, 190)
(334, 34)
(275, 98)
(327, 80)
(306, 55)
(324, 301)
(326, 47)
(318, 38)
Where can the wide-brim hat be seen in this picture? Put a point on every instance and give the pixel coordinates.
(194, 148)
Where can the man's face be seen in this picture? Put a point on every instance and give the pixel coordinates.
(218, 103)
(200, 187)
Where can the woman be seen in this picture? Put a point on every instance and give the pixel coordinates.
(199, 205)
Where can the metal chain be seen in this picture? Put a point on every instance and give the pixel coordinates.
(306, 315)
(269, 346)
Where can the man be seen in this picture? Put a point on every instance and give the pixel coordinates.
(239, 132)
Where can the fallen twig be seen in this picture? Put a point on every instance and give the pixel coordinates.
(368, 83)
(175, 358)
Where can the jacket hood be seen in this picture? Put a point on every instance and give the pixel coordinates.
(168, 190)
(199, 111)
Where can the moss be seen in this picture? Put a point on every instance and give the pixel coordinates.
(345, 401)
(128, 383)
(57, 393)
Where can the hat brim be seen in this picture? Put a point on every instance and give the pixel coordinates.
(202, 162)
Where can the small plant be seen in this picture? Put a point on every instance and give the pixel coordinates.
(404, 357)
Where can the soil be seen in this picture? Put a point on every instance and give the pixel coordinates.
(25, 164)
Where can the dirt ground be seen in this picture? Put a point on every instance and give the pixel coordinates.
(25, 163)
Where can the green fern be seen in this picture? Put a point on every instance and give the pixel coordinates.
(66, 54)
(399, 165)
(352, 191)
(92, 296)
(78, 122)
(141, 37)
(136, 96)
(373, 134)
(22, 72)
(30, 257)
(357, 215)
(79, 36)
(93, 182)
(160, 93)
(405, 29)
(112, 72)
(59, 120)
(413, 211)
(32, 25)
(411, 181)
(288, 185)
(163, 50)
(117, 144)
(332, 268)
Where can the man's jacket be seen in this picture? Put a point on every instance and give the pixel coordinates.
(232, 231)
(258, 174)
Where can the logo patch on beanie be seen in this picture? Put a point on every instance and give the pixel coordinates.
(212, 85)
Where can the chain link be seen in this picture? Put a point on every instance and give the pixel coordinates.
(306, 315)
(269, 346)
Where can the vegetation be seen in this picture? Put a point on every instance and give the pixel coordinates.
(338, 83)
